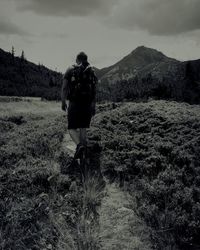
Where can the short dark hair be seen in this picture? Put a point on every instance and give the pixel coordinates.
(82, 57)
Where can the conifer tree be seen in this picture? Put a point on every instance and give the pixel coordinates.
(13, 52)
(22, 56)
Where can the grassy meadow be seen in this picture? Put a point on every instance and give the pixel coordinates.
(31, 136)
(40, 207)
(150, 150)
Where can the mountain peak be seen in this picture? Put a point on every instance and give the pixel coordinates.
(140, 48)
(139, 59)
(148, 53)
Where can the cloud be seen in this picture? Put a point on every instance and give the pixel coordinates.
(67, 7)
(9, 28)
(158, 17)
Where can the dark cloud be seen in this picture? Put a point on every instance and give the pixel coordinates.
(67, 7)
(158, 17)
(8, 28)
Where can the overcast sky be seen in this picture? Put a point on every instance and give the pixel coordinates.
(52, 32)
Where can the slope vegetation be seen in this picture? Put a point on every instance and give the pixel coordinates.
(19, 77)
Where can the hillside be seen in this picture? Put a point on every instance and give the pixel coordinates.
(19, 77)
(148, 155)
(147, 73)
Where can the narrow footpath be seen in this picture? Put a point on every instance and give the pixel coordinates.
(108, 220)
(120, 227)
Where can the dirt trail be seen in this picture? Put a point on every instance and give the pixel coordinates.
(120, 228)
(117, 226)
(68, 145)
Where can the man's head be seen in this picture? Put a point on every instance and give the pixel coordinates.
(82, 58)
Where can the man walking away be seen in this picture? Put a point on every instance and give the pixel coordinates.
(79, 89)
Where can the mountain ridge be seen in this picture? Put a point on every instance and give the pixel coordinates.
(146, 72)
(143, 73)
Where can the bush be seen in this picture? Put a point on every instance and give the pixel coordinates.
(156, 146)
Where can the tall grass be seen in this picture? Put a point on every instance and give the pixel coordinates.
(87, 228)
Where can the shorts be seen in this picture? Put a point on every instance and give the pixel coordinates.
(79, 115)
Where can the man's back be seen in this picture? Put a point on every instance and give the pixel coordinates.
(81, 81)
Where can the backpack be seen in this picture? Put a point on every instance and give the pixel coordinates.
(82, 84)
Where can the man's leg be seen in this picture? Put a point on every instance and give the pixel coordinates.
(79, 137)
(75, 135)
(83, 136)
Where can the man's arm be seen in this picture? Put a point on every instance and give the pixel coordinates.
(93, 104)
(65, 89)
(64, 93)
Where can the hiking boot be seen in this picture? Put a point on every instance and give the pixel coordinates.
(80, 150)
(70, 167)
